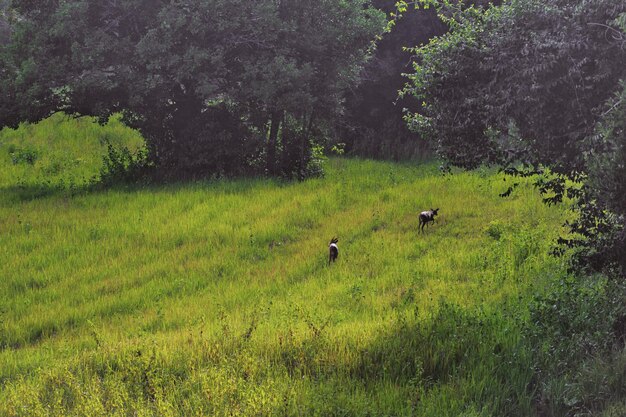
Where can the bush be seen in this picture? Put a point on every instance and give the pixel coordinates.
(495, 229)
(23, 156)
(577, 343)
(122, 166)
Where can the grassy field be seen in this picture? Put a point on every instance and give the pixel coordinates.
(215, 298)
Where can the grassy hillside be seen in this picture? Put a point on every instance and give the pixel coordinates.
(215, 298)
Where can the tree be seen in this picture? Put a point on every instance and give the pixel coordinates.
(5, 28)
(534, 85)
(374, 126)
(209, 84)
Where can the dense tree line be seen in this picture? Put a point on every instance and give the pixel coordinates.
(373, 125)
(5, 27)
(215, 87)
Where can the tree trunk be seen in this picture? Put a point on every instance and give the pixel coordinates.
(305, 144)
(271, 142)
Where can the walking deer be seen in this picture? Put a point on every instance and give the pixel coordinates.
(427, 217)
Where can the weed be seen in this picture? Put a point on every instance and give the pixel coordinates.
(495, 229)
(22, 155)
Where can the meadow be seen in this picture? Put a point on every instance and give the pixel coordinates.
(216, 297)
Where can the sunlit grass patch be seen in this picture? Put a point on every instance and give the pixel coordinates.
(60, 151)
(216, 297)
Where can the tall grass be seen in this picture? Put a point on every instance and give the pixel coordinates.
(215, 298)
(59, 152)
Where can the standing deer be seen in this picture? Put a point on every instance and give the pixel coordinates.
(333, 250)
(427, 217)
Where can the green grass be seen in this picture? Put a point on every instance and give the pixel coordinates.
(59, 152)
(215, 298)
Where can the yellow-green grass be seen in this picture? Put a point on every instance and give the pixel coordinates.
(60, 150)
(216, 298)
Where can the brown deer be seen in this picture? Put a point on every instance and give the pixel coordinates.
(427, 217)
(333, 250)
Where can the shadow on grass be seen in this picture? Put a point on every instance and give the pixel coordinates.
(18, 193)
(49, 189)
(445, 364)
(36, 191)
(476, 355)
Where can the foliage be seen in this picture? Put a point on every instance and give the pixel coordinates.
(578, 349)
(602, 204)
(65, 154)
(572, 322)
(373, 125)
(121, 166)
(208, 84)
(5, 17)
(22, 155)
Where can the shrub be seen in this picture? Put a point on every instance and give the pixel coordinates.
(495, 229)
(577, 345)
(121, 166)
(23, 155)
